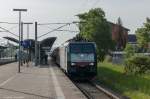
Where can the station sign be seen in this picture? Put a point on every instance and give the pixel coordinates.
(46, 48)
(26, 44)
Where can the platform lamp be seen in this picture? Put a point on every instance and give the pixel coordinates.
(19, 54)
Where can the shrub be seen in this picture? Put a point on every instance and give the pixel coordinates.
(137, 65)
(130, 51)
(108, 58)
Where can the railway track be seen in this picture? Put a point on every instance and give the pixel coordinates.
(91, 91)
(3, 62)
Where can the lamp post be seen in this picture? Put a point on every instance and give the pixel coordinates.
(19, 54)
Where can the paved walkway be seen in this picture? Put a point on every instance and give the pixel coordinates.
(45, 82)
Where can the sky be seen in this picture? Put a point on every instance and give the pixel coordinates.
(132, 12)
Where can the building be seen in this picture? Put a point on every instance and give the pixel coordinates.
(120, 39)
(132, 39)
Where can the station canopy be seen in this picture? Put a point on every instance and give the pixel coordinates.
(12, 39)
(47, 43)
(44, 44)
(3, 47)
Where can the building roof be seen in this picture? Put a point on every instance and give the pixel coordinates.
(12, 39)
(116, 24)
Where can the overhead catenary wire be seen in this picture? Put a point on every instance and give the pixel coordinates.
(13, 27)
(52, 23)
(60, 29)
(54, 30)
(8, 23)
(5, 30)
(8, 30)
(59, 23)
(57, 29)
(67, 30)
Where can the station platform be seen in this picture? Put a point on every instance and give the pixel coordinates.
(40, 82)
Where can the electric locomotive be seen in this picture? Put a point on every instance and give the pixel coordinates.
(78, 59)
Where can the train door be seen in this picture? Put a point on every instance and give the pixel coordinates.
(63, 58)
(66, 59)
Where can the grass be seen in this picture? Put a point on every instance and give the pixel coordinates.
(134, 87)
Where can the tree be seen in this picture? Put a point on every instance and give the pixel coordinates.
(130, 51)
(137, 65)
(143, 35)
(94, 26)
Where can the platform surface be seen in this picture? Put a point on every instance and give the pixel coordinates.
(41, 82)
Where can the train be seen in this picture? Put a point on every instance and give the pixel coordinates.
(6, 60)
(77, 59)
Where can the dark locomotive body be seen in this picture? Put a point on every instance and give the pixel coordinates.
(77, 59)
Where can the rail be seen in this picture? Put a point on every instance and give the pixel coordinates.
(93, 91)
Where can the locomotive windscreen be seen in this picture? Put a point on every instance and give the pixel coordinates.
(82, 52)
(82, 48)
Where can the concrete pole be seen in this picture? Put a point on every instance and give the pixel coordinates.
(21, 31)
(28, 48)
(39, 54)
(27, 31)
(19, 10)
(19, 42)
(36, 45)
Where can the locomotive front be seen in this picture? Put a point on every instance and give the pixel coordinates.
(82, 60)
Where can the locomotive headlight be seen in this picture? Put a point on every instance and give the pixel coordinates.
(72, 64)
(91, 64)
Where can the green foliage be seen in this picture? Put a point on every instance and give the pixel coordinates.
(94, 26)
(129, 50)
(143, 35)
(132, 86)
(137, 65)
(108, 58)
